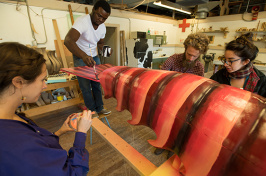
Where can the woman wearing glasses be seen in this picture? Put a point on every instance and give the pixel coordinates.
(239, 70)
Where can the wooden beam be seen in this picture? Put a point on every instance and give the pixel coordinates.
(138, 162)
(60, 44)
(71, 14)
(63, 5)
(122, 48)
(86, 10)
(52, 107)
(118, 6)
(167, 168)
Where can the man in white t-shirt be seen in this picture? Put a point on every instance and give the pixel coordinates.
(82, 40)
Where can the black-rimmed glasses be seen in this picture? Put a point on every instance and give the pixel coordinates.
(228, 62)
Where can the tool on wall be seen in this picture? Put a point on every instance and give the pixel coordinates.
(255, 12)
(60, 44)
(207, 59)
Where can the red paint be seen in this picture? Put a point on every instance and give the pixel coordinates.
(184, 25)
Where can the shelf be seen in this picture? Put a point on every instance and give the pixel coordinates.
(255, 36)
(73, 84)
(251, 31)
(61, 84)
(52, 107)
(259, 40)
(217, 31)
(170, 45)
(262, 50)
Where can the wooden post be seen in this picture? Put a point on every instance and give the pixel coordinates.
(71, 14)
(60, 44)
(86, 10)
(122, 48)
(224, 5)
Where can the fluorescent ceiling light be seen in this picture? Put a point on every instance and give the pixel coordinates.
(167, 5)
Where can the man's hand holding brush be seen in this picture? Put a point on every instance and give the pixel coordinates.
(88, 60)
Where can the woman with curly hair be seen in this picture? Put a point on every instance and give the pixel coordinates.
(188, 62)
(239, 70)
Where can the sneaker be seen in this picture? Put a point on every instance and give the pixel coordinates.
(95, 115)
(158, 151)
(105, 111)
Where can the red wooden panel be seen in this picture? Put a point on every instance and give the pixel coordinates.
(87, 72)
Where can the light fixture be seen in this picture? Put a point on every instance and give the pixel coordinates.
(172, 6)
(203, 9)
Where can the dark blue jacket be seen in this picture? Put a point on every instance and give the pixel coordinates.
(28, 150)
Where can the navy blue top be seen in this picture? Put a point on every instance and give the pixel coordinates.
(27, 149)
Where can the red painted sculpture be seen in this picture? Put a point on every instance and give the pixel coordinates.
(214, 129)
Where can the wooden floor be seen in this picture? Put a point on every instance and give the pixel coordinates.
(104, 160)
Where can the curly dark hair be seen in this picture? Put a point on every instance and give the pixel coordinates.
(103, 4)
(243, 47)
(18, 60)
(198, 41)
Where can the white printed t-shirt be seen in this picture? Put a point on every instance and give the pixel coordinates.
(89, 37)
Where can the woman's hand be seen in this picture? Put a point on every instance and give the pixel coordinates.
(85, 121)
(65, 127)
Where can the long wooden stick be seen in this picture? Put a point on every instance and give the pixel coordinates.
(60, 44)
(86, 10)
(138, 162)
(71, 14)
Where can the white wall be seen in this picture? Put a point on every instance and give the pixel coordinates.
(15, 27)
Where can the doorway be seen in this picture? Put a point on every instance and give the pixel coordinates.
(112, 40)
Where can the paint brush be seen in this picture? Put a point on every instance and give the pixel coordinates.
(96, 76)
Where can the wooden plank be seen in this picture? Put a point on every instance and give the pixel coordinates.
(167, 168)
(103, 115)
(122, 59)
(52, 107)
(86, 10)
(62, 84)
(138, 162)
(71, 14)
(124, 49)
(60, 44)
(68, 54)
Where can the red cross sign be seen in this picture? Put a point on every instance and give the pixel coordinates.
(184, 25)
